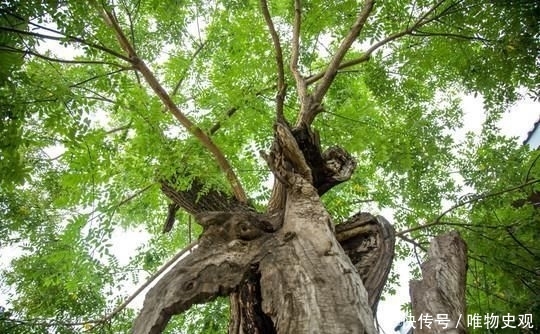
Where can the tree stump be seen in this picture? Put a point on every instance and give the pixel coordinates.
(438, 300)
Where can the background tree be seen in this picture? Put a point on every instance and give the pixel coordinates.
(153, 97)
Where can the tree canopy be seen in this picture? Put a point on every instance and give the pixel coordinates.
(101, 101)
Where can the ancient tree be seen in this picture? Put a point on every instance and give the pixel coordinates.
(173, 117)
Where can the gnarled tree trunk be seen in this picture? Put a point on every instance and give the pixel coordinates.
(290, 270)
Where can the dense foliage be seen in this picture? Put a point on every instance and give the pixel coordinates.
(85, 140)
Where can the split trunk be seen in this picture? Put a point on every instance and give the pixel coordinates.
(289, 269)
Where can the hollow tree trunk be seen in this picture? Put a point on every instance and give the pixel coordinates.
(438, 300)
(287, 270)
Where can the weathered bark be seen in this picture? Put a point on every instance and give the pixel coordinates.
(441, 292)
(326, 169)
(287, 271)
(308, 283)
(369, 242)
(228, 247)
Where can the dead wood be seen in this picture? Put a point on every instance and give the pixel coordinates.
(441, 292)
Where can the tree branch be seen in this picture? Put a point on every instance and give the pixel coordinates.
(217, 125)
(205, 140)
(437, 221)
(331, 71)
(150, 279)
(56, 60)
(422, 20)
(280, 97)
(44, 323)
(449, 35)
(99, 76)
(184, 73)
(509, 231)
(411, 241)
(363, 58)
(232, 111)
(98, 96)
(300, 80)
(67, 38)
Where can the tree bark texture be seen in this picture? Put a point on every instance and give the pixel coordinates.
(308, 283)
(442, 290)
(290, 270)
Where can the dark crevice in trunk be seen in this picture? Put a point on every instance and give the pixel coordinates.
(194, 200)
(248, 300)
(230, 226)
(328, 168)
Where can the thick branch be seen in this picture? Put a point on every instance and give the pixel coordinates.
(280, 97)
(140, 65)
(230, 244)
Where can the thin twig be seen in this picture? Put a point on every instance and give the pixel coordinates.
(448, 35)
(531, 166)
(233, 110)
(97, 96)
(63, 38)
(114, 207)
(437, 221)
(99, 76)
(217, 126)
(152, 278)
(184, 73)
(411, 241)
(57, 60)
(121, 128)
(44, 323)
(509, 230)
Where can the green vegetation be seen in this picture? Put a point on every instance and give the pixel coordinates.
(84, 139)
